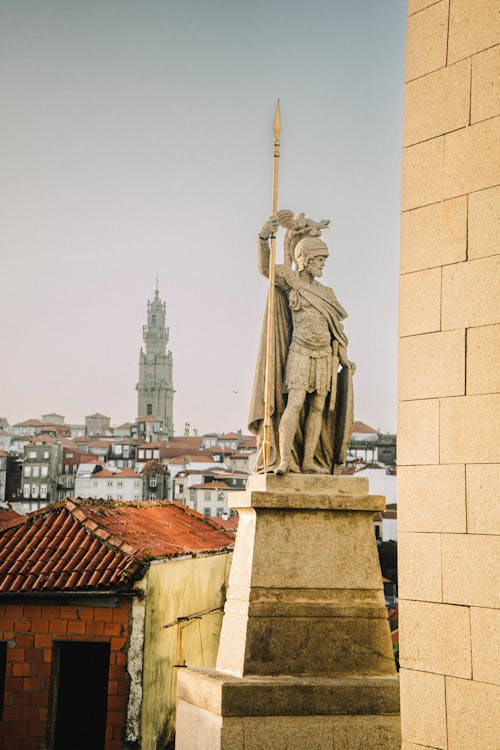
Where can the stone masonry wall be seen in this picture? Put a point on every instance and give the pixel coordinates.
(30, 630)
(448, 432)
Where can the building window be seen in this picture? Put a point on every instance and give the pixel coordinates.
(44, 471)
(46, 454)
(69, 455)
(118, 450)
(152, 481)
(180, 488)
(141, 454)
(32, 454)
(136, 497)
(207, 496)
(149, 454)
(34, 491)
(66, 469)
(36, 471)
(152, 495)
(220, 511)
(137, 484)
(109, 482)
(43, 491)
(149, 410)
(207, 512)
(27, 471)
(109, 497)
(119, 483)
(26, 490)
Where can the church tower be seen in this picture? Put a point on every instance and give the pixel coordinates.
(156, 386)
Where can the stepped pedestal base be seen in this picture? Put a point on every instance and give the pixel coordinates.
(305, 658)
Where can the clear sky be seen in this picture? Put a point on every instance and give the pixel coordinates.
(136, 139)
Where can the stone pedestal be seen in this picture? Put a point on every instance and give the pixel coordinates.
(305, 657)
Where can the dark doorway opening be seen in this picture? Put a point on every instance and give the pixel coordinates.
(80, 695)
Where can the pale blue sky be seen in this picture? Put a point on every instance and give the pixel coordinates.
(136, 139)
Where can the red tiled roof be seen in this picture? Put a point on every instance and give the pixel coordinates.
(79, 545)
(125, 472)
(362, 427)
(211, 486)
(7, 516)
(153, 467)
(230, 524)
(28, 423)
(99, 444)
(191, 460)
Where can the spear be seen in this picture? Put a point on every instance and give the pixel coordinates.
(270, 306)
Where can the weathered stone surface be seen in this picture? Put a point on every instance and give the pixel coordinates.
(419, 562)
(423, 697)
(470, 293)
(422, 177)
(471, 158)
(418, 432)
(257, 695)
(426, 40)
(420, 302)
(478, 554)
(483, 498)
(434, 235)
(286, 712)
(432, 498)
(483, 372)
(432, 365)
(474, 26)
(470, 429)
(435, 638)
(437, 103)
(485, 632)
(473, 711)
(485, 91)
(483, 225)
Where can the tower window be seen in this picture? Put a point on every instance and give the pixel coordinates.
(149, 410)
(153, 319)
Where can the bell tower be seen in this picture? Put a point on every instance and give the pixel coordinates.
(155, 388)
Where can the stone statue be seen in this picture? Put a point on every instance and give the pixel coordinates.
(311, 401)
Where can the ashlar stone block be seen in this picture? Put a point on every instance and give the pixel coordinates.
(420, 302)
(419, 567)
(473, 711)
(470, 429)
(485, 630)
(483, 350)
(422, 175)
(485, 91)
(483, 498)
(432, 498)
(469, 562)
(484, 223)
(435, 638)
(470, 293)
(418, 432)
(471, 158)
(434, 235)
(474, 26)
(423, 695)
(437, 103)
(426, 40)
(432, 365)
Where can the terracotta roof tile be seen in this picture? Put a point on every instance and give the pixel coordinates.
(80, 545)
(362, 427)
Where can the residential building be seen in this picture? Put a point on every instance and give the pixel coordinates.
(155, 481)
(41, 469)
(100, 448)
(149, 429)
(109, 484)
(123, 452)
(97, 425)
(155, 389)
(211, 498)
(5, 440)
(72, 458)
(3, 475)
(100, 606)
(53, 418)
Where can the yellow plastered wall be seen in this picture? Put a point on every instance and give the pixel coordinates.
(449, 375)
(183, 618)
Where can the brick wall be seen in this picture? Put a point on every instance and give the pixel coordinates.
(30, 630)
(448, 439)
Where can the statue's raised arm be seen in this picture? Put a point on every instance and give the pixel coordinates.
(311, 401)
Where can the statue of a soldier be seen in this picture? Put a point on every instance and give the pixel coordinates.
(311, 402)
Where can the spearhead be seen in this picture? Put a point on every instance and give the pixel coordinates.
(277, 121)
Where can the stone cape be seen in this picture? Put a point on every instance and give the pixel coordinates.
(337, 423)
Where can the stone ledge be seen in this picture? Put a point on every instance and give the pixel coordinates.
(307, 501)
(226, 695)
(308, 483)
